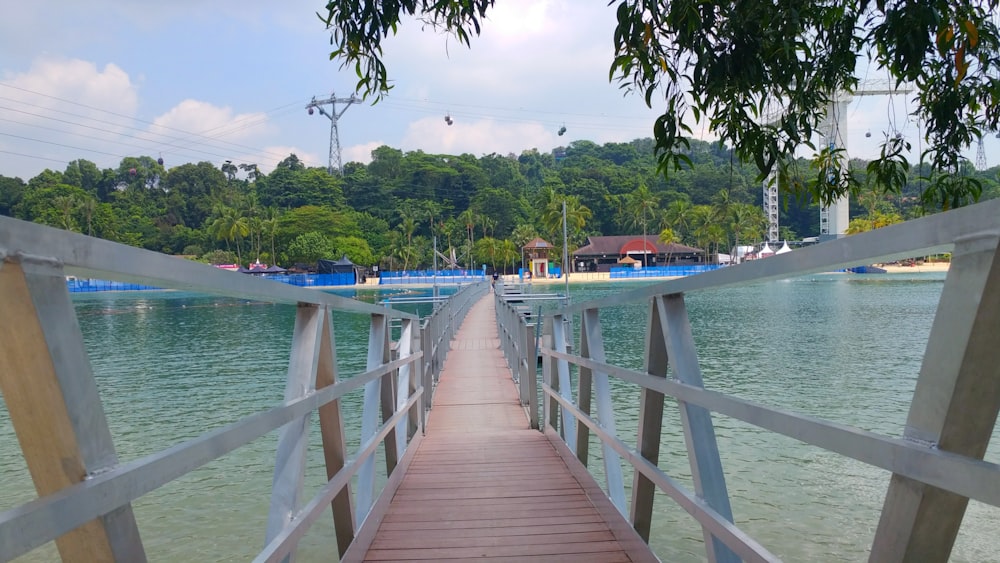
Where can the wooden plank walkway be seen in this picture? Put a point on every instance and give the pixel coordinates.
(483, 485)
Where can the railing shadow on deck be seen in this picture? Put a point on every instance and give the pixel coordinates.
(85, 493)
(937, 465)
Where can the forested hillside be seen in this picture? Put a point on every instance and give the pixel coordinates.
(387, 212)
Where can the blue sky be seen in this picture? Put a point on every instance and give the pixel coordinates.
(229, 80)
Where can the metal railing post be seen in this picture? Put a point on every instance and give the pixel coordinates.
(331, 425)
(290, 458)
(529, 379)
(377, 345)
(592, 346)
(54, 404)
(954, 407)
(699, 432)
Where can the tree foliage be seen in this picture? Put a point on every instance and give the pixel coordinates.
(761, 75)
(610, 189)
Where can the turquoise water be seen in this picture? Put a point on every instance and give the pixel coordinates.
(171, 366)
(846, 348)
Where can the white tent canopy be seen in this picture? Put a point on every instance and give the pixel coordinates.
(784, 248)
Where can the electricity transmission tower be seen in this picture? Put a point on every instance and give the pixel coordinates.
(334, 162)
(981, 156)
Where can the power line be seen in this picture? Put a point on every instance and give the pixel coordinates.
(176, 142)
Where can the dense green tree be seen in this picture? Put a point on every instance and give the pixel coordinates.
(308, 248)
(312, 218)
(729, 63)
(11, 191)
(355, 248)
(192, 190)
(296, 186)
(500, 206)
(504, 172)
(386, 164)
(54, 204)
(86, 175)
(367, 193)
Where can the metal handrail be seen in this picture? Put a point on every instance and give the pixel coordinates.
(46, 381)
(937, 465)
(518, 344)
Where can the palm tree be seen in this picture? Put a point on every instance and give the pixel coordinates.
(508, 254)
(641, 204)
(65, 204)
(229, 225)
(702, 223)
(747, 222)
(468, 218)
(667, 238)
(270, 226)
(240, 228)
(89, 208)
(679, 216)
(722, 205)
(408, 222)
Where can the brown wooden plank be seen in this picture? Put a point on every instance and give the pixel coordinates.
(485, 485)
(448, 525)
(402, 535)
(514, 550)
(605, 557)
(552, 502)
(423, 542)
(470, 514)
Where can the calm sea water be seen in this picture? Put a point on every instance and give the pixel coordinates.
(847, 348)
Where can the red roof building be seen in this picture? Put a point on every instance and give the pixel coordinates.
(601, 253)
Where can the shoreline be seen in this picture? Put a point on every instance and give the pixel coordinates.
(589, 277)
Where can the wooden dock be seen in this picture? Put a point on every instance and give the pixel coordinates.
(483, 485)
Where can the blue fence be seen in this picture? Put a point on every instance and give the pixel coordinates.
(622, 272)
(303, 280)
(85, 286)
(430, 276)
(313, 280)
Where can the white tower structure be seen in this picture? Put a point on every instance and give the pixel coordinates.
(334, 116)
(771, 206)
(833, 219)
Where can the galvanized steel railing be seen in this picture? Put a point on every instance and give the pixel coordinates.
(519, 345)
(936, 466)
(85, 493)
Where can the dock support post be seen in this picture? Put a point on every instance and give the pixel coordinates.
(54, 404)
(954, 406)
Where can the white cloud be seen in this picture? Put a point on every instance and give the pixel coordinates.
(208, 121)
(360, 153)
(63, 109)
(87, 90)
(270, 156)
(478, 137)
